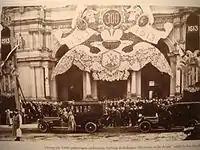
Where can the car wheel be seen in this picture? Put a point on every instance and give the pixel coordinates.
(90, 127)
(43, 127)
(145, 126)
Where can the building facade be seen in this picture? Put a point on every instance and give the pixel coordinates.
(46, 35)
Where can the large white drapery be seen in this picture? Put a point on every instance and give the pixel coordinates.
(114, 64)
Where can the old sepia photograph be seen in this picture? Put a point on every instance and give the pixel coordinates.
(99, 73)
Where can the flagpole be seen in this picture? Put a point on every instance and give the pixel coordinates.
(16, 89)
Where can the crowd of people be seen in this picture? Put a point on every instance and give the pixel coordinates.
(33, 110)
(117, 112)
(125, 112)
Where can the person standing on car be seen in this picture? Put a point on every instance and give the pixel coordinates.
(71, 122)
(17, 123)
(65, 115)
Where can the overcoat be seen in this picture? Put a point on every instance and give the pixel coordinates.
(17, 123)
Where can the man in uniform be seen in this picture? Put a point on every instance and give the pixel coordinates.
(17, 123)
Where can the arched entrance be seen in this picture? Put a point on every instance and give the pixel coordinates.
(153, 82)
(70, 85)
(112, 90)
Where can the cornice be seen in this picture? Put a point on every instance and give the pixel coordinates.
(159, 18)
(14, 9)
(40, 59)
(40, 22)
(27, 21)
(68, 7)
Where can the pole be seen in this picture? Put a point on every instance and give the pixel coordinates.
(16, 89)
(20, 88)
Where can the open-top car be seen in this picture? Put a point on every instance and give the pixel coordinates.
(87, 114)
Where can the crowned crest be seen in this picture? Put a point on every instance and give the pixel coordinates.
(111, 35)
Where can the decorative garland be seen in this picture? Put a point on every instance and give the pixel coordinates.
(110, 65)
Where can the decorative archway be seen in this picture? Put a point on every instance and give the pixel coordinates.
(153, 82)
(105, 49)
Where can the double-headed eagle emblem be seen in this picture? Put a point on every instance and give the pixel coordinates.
(111, 60)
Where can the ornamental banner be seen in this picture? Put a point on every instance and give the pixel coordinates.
(110, 41)
(192, 32)
(77, 37)
(148, 33)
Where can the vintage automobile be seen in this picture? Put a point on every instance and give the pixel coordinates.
(147, 117)
(87, 114)
(182, 114)
(185, 114)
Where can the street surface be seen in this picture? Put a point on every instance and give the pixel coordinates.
(107, 139)
(108, 134)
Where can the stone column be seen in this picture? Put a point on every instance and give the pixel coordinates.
(173, 77)
(41, 40)
(128, 87)
(50, 39)
(32, 80)
(138, 90)
(46, 78)
(37, 41)
(47, 42)
(53, 85)
(189, 79)
(183, 81)
(37, 82)
(133, 83)
(197, 74)
(178, 81)
(88, 84)
(54, 89)
(40, 82)
(94, 89)
(193, 76)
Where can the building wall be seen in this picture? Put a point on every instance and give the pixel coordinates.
(36, 58)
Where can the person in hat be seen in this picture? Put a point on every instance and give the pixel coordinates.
(17, 123)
